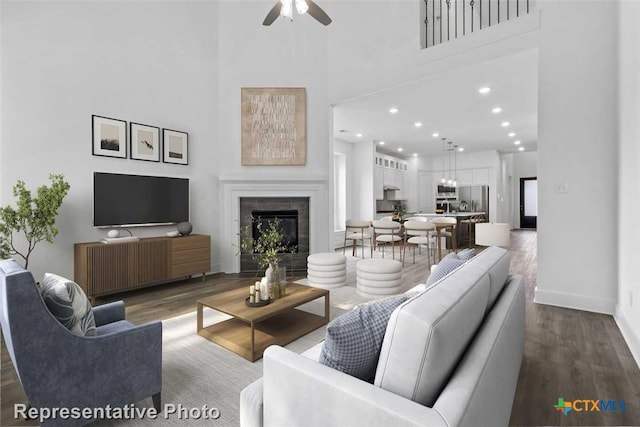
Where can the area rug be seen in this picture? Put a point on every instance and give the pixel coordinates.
(199, 374)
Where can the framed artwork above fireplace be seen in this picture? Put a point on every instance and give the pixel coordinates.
(274, 126)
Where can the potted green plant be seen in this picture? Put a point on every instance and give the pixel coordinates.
(266, 249)
(33, 217)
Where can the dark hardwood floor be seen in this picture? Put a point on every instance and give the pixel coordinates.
(571, 354)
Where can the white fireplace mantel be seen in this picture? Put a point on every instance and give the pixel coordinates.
(235, 187)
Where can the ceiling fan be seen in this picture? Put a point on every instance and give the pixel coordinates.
(285, 8)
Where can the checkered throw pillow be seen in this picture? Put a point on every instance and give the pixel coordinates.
(353, 341)
(467, 254)
(446, 266)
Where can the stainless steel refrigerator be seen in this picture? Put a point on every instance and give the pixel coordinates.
(474, 199)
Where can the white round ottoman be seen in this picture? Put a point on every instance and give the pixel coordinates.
(378, 277)
(326, 270)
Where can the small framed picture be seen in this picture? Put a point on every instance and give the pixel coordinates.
(175, 145)
(109, 137)
(145, 142)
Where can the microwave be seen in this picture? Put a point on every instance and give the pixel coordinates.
(446, 190)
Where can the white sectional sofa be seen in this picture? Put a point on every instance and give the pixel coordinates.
(450, 357)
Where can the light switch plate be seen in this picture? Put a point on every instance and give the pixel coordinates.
(562, 188)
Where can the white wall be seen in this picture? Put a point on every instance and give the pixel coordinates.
(577, 145)
(627, 312)
(364, 206)
(63, 62)
(346, 149)
(287, 54)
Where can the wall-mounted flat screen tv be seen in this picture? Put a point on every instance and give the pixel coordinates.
(133, 200)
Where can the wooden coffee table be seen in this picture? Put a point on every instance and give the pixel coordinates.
(253, 329)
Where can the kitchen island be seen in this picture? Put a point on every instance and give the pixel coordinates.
(459, 215)
(462, 233)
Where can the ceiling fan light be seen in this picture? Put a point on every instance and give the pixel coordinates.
(301, 7)
(287, 9)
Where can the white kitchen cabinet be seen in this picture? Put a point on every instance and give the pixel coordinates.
(378, 182)
(389, 176)
(399, 182)
(389, 172)
(480, 176)
(465, 177)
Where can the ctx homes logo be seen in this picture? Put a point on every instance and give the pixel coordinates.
(588, 405)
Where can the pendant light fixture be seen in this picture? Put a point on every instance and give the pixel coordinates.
(443, 180)
(451, 176)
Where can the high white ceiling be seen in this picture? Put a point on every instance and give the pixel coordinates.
(451, 105)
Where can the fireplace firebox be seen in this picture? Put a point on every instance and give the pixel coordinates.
(288, 220)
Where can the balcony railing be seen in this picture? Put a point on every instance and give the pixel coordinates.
(446, 20)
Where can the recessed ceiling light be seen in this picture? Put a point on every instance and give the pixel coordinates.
(435, 135)
(512, 134)
(505, 124)
(381, 143)
(393, 110)
(359, 135)
(461, 149)
(399, 149)
(415, 154)
(521, 149)
(517, 142)
(484, 90)
(496, 110)
(417, 124)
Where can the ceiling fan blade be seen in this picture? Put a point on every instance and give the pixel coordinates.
(317, 12)
(273, 14)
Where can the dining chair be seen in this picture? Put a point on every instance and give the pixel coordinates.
(450, 235)
(417, 234)
(357, 230)
(387, 232)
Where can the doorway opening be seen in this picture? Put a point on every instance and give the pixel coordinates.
(529, 202)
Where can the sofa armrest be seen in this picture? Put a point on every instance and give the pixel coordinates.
(108, 313)
(299, 391)
(251, 407)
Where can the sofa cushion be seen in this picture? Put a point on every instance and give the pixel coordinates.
(353, 340)
(495, 261)
(68, 304)
(444, 267)
(427, 335)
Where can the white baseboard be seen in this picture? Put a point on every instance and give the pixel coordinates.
(577, 302)
(630, 336)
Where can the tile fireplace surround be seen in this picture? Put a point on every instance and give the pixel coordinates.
(295, 261)
(277, 193)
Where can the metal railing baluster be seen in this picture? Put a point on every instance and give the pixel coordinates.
(434, 16)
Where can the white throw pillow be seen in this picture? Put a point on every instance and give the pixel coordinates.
(68, 304)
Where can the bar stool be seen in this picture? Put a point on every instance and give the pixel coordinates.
(471, 228)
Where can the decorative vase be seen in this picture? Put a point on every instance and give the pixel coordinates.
(282, 280)
(185, 228)
(272, 276)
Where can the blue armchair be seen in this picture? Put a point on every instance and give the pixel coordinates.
(122, 364)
